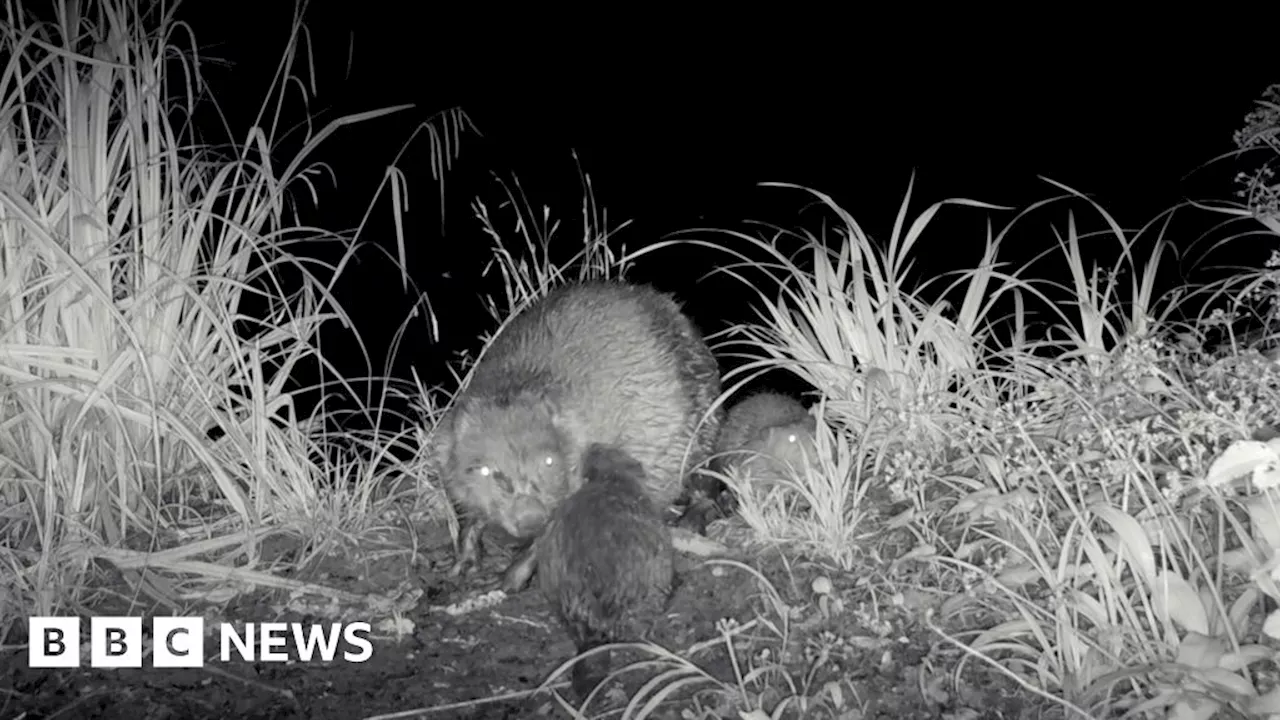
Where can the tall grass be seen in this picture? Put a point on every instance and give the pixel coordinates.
(152, 311)
(1054, 474)
(1073, 482)
(1061, 450)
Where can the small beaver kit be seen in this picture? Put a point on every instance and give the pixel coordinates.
(762, 435)
(605, 563)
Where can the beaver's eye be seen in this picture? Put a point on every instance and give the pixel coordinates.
(549, 460)
(498, 477)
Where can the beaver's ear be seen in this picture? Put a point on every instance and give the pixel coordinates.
(811, 424)
(568, 431)
(459, 419)
(568, 427)
(760, 437)
(441, 440)
(560, 419)
(470, 414)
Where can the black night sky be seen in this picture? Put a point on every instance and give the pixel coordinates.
(676, 129)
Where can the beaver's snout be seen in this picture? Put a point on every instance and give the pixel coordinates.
(528, 516)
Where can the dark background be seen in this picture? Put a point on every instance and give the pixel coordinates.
(678, 120)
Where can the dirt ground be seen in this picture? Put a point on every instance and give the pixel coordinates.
(849, 654)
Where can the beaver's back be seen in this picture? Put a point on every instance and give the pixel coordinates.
(606, 564)
(623, 364)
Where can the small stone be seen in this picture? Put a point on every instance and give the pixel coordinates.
(822, 585)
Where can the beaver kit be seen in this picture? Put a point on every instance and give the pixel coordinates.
(597, 362)
(763, 434)
(605, 563)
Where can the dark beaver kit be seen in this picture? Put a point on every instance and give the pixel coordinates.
(606, 362)
(605, 563)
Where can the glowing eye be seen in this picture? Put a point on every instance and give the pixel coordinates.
(484, 470)
(792, 438)
(549, 461)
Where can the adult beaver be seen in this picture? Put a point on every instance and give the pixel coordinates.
(605, 361)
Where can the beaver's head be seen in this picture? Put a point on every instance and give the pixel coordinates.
(789, 444)
(509, 461)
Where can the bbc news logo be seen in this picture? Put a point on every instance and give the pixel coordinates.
(178, 642)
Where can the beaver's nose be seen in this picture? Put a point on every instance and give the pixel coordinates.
(528, 516)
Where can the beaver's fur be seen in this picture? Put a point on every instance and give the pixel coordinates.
(606, 361)
(605, 563)
(761, 435)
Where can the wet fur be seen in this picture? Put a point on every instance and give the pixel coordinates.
(607, 362)
(606, 563)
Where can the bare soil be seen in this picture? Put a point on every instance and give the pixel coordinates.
(854, 653)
